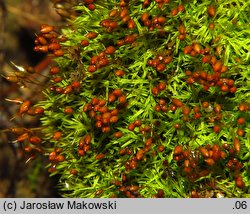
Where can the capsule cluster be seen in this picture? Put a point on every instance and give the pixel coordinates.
(156, 22)
(72, 87)
(132, 163)
(30, 141)
(182, 32)
(103, 116)
(209, 79)
(210, 160)
(126, 40)
(211, 112)
(109, 25)
(131, 190)
(98, 62)
(161, 106)
(179, 9)
(116, 66)
(27, 138)
(159, 62)
(125, 188)
(32, 152)
(117, 94)
(116, 18)
(27, 108)
(136, 123)
(84, 144)
(174, 105)
(157, 89)
(55, 157)
(89, 36)
(49, 41)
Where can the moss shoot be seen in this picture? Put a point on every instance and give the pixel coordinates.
(146, 99)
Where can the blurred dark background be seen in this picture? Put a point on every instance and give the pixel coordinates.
(20, 21)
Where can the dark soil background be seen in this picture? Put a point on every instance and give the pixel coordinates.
(20, 20)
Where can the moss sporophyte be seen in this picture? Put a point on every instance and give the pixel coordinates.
(145, 99)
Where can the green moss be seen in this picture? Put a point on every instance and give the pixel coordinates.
(178, 174)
